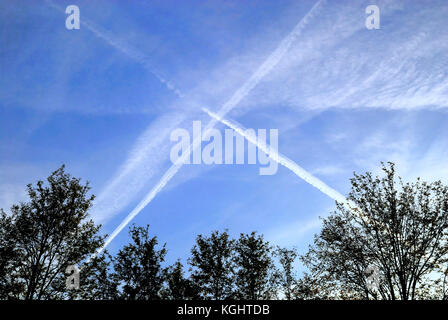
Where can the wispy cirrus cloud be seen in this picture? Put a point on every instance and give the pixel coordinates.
(144, 162)
(123, 47)
(342, 64)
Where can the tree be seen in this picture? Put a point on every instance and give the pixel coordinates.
(211, 265)
(45, 235)
(397, 230)
(311, 288)
(286, 277)
(138, 266)
(178, 287)
(254, 262)
(97, 282)
(9, 259)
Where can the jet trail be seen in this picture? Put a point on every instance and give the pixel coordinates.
(297, 170)
(125, 48)
(273, 59)
(281, 159)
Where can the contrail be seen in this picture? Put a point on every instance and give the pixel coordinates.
(282, 159)
(273, 59)
(296, 169)
(125, 48)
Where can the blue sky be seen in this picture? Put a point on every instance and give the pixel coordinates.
(104, 100)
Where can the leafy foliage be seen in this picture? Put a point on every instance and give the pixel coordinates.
(400, 228)
(138, 266)
(286, 277)
(45, 235)
(178, 287)
(253, 261)
(212, 265)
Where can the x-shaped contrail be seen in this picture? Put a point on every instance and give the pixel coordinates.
(272, 60)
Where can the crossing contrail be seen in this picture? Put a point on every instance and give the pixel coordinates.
(272, 60)
(281, 159)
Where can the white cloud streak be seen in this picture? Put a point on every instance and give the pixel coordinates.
(282, 159)
(143, 163)
(272, 60)
(123, 47)
(294, 167)
(293, 232)
(344, 65)
(143, 158)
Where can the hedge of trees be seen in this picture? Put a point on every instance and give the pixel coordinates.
(395, 229)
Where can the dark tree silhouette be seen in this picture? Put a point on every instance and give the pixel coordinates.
(138, 266)
(253, 261)
(285, 276)
(398, 229)
(212, 266)
(9, 259)
(178, 287)
(43, 236)
(96, 280)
